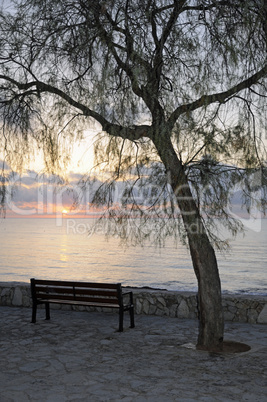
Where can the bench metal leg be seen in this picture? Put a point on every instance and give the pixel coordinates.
(121, 320)
(131, 312)
(34, 309)
(47, 311)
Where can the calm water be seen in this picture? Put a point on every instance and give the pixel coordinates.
(38, 248)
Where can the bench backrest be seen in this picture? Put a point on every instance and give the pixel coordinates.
(102, 293)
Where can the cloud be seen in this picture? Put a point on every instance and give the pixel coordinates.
(45, 195)
(35, 194)
(75, 177)
(4, 165)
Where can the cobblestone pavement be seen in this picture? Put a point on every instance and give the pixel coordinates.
(79, 356)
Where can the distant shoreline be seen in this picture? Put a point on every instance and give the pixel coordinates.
(151, 288)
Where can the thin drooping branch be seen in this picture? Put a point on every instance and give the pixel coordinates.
(206, 7)
(107, 38)
(177, 9)
(200, 7)
(160, 43)
(133, 59)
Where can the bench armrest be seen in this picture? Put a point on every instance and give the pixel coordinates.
(130, 294)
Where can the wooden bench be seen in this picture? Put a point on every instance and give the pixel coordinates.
(108, 295)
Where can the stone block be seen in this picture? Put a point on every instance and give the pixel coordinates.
(138, 306)
(26, 301)
(5, 292)
(232, 309)
(152, 310)
(183, 310)
(166, 311)
(252, 316)
(173, 310)
(17, 297)
(149, 298)
(159, 312)
(229, 303)
(161, 300)
(241, 316)
(229, 316)
(262, 318)
(146, 306)
(192, 315)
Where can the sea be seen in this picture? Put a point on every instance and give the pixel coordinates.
(42, 248)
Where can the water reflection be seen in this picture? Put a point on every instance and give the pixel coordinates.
(64, 254)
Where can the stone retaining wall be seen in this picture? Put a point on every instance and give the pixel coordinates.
(238, 308)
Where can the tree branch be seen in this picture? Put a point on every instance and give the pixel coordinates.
(133, 133)
(220, 97)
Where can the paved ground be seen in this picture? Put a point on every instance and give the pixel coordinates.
(79, 356)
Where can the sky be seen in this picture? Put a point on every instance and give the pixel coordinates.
(38, 195)
(34, 194)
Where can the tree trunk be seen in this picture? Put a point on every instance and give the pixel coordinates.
(211, 322)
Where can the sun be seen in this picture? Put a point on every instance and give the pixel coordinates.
(64, 211)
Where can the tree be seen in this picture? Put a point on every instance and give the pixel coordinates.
(178, 88)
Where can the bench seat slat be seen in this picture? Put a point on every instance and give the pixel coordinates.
(94, 285)
(81, 303)
(77, 298)
(70, 290)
